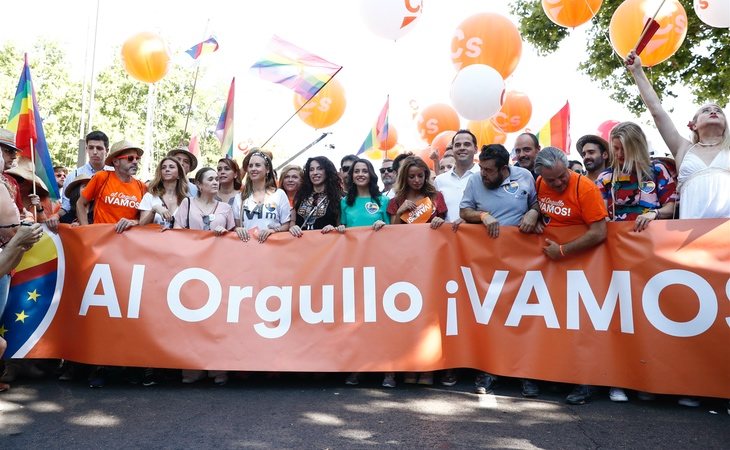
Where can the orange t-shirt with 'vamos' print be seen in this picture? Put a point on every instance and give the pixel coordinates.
(579, 204)
(114, 199)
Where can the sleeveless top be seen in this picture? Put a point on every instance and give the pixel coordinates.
(704, 190)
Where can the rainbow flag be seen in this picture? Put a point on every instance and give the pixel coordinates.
(556, 133)
(295, 68)
(224, 129)
(379, 133)
(206, 47)
(25, 121)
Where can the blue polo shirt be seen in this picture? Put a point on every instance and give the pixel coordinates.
(508, 203)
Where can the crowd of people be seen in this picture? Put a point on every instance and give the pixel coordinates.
(532, 188)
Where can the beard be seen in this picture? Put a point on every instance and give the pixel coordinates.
(494, 184)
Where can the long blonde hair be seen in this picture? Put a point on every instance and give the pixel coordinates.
(247, 189)
(636, 151)
(157, 186)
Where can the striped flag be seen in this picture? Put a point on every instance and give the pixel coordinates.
(295, 68)
(556, 133)
(206, 47)
(379, 133)
(224, 130)
(25, 121)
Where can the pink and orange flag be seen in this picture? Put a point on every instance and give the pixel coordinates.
(556, 133)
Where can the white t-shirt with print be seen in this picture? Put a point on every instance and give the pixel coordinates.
(274, 211)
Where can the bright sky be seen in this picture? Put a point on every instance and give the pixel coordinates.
(416, 67)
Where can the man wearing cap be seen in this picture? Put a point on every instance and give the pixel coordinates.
(116, 195)
(594, 151)
(97, 147)
(189, 163)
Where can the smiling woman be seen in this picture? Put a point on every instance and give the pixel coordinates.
(363, 205)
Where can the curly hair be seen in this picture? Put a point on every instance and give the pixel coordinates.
(333, 184)
(401, 185)
(372, 182)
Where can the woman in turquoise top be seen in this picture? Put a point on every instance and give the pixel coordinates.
(363, 206)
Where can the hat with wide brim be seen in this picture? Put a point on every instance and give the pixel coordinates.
(7, 139)
(193, 158)
(120, 147)
(24, 170)
(78, 181)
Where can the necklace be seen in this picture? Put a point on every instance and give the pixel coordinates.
(702, 144)
(201, 204)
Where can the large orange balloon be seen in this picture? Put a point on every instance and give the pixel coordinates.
(391, 139)
(487, 38)
(442, 140)
(487, 132)
(628, 22)
(515, 112)
(436, 118)
(325, 108)
(145, 57)
(425, 155)
(571, 13)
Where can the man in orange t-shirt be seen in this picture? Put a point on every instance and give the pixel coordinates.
(567, 198)
(116, 194)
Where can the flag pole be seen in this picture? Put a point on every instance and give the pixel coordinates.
(190, 105)
(312, 144)
(300, 108)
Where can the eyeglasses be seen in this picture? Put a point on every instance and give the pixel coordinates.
(385, 170)
(129, 158)
(345, 169)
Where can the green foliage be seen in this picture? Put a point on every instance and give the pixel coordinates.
(702, 63)
(120, 104)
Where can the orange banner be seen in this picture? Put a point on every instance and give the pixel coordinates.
(648, 311)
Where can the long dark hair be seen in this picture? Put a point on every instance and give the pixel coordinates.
(332, 184)
(401, 185)
(372, 183)
(233, 165)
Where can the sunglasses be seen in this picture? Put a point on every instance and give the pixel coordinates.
(345, 169)
(129, 158)
(387, 170)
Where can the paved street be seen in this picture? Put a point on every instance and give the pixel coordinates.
(296, 412)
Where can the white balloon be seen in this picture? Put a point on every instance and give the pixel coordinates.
(391, 19)
(477, 92)
(715, 13)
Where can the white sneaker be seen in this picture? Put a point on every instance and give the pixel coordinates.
(617, 395)
(646, 396)
(389, 380)
(689, 402)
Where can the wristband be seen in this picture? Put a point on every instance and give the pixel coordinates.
(560, 247)
(481, 216)
(656, 213)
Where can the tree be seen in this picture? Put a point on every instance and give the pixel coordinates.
(702, 63)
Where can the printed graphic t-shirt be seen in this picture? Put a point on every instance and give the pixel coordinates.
(114, 199)
(364, 211)
(579, 204)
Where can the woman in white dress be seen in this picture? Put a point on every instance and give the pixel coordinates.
(261, 209)
(703, 161)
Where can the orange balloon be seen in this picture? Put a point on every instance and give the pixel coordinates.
(391, 140)
(515, 112)
(571, 13)
(442, 140)
(487, 132)
(325, 108)
(437, 118)
(628, 22)
(425, 155)
(487, 38)
(145, 57)
(376, 154)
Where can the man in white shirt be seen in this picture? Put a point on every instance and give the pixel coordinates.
(452, 183)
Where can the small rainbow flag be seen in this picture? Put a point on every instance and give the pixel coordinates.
(295, 68)
(379, 133)
(25, 121)
(224, 129)
(206, 47)
(556, 133)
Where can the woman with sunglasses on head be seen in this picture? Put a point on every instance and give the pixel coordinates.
(290, 180)
(166, 192)
(204, 212)
(229, 180)
(317, 204)
(261, 209)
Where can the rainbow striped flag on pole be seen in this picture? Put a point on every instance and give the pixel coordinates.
(295, 68)
(25, 121)
(206, 47)
(224, 129)
(556, 133)
(379, 133)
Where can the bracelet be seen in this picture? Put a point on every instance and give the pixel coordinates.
(481, 216)
(560, 247)
(656, 213)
